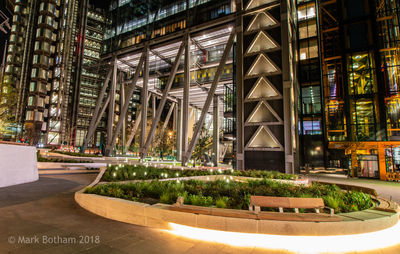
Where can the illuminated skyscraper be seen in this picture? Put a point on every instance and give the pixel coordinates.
(349, 74)
(46, 55)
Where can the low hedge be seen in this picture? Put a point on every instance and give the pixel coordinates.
(234, 195)
(43, 159)
(138, 172)
(76, 154)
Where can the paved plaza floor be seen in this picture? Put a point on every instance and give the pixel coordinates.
(46, 208)
(388, 190)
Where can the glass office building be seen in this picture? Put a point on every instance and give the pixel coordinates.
(255, 95)
(349, 73)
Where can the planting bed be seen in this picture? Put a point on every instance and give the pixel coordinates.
(139, 172)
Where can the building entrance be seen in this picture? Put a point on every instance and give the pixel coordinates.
(368, 166)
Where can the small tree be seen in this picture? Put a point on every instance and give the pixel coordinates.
(8, 100)
(203, 145)
(165, 142)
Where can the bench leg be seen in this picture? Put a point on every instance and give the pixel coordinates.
(280, 209)
(257, 209)
(251, 208)
(296, 210)
(316, 210)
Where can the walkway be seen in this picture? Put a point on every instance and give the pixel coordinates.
(388, 190)
(47, 208)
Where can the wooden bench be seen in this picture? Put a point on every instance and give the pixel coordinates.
(256, 202)
(244, 214)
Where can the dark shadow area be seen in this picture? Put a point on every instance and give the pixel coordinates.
(46, 186)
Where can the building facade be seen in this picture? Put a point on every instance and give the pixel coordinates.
(38, 75)
(88, 76)
(52, 75)
(234, 62)
(349, 74)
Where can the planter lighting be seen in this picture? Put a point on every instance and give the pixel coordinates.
(298, 244)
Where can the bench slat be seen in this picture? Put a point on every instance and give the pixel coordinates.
(306, 202)
(285, 202)
(265, 201)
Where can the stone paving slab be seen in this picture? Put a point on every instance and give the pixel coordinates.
(48, 206)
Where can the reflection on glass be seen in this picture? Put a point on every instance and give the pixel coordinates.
(312, 126)
(393, 117)
(335, 124)
(308, 49)
(368, 166)
(361, 74)
(311, 100)
(363, 119)
(308, 29)
(391, 70)
(306, 11)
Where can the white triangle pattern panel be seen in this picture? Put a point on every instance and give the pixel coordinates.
(263, 138)
(263, 89)
(262, 42)
(256, 3)
(262, 66)
(261, 21)
(264, 113)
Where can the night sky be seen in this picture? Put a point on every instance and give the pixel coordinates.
(100, 4)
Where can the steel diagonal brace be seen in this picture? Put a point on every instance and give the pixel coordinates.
(94, 122)
(165, 124)
(164, 98)
(129, 93)
(209, 99)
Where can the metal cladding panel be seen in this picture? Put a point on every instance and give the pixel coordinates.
(263, 70)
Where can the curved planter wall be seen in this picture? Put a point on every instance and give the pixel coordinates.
(160, 216)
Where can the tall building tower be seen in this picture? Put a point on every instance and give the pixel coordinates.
(88, 76)
(51, 76)
(349, 75)
(39, 68)
(196, 56)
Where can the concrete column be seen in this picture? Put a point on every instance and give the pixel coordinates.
(175, 114)
(185, 106)
(111, 107)
(153, 105)
(354, 162)
(122, 102)
(153, 114)
(239, 93)
(216, 130)
(287, 88)
(178, 128)
(144, 95)
(382, 163)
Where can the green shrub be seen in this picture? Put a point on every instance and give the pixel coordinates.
(200, 200)
(166, 198)
(358, 200)
(333, 202)
(43, 159)
(76, 154)
(233, 194)
(140, 172)
(222, 202)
